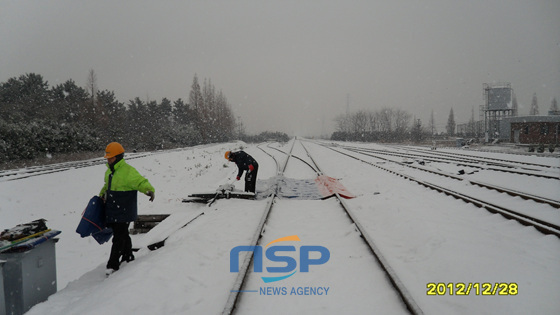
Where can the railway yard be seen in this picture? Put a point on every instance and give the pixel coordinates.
(404, 229)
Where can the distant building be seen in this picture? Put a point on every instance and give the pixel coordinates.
(532, 129)
(498, 105)
(499, 120)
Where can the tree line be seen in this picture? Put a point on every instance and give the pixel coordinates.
(36, 119)
(384, 125)
(395, 125)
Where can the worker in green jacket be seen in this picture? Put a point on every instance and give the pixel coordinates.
(122, 182)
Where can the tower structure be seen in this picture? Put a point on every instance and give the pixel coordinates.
(498, 104)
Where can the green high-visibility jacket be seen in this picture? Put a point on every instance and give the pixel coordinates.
(121, 202)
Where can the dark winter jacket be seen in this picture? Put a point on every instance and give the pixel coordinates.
(120, 192)
(243, 160)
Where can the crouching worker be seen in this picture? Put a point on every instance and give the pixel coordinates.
(122, 182)
(245, 162)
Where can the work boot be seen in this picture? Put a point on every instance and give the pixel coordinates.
(127, 257)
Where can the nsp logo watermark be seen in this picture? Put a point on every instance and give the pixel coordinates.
(307, 257)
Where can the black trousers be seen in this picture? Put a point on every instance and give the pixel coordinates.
(251, 179)
(122, 244)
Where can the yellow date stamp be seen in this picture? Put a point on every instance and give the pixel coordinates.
(472, 288)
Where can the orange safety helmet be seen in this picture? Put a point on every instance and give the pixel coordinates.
(113, 149)
(227, 155)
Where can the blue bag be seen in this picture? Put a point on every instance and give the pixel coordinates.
(103, 235)
(93, 221)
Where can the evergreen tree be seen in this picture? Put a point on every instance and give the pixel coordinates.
(534, 105)
(450, 124)
(554, 107)
(416, 131)
(25, 98)
(37, 119)
(112, 119)
(136, 127)
(182, 114)
(432, 124)
(70, 102)
(162, 123)
(183, 131)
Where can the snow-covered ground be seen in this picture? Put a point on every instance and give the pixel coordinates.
(426, 237)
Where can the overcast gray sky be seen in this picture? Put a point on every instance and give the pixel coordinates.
(289, 65)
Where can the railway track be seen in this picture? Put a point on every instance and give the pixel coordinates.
(479, 158)
(244, 274)
(511, 192)
(23, 173)
(234, 295)
(468, 162)
(424, 250)
(541, 225)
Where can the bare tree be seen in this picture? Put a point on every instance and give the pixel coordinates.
(372, 122)
(386, 124)
(92, 85)
(207, 110)
(402, 122)
(240, 128)
(385, 119)
(343, 123)
(224, 118)
(360, 122)
(196, 102)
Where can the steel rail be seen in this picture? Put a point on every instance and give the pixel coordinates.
(407, 298)
(234, 296)
(60, 167)
(272, 156)
(511, 192)
(461, 162)
(542, 226)
(440, 153)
